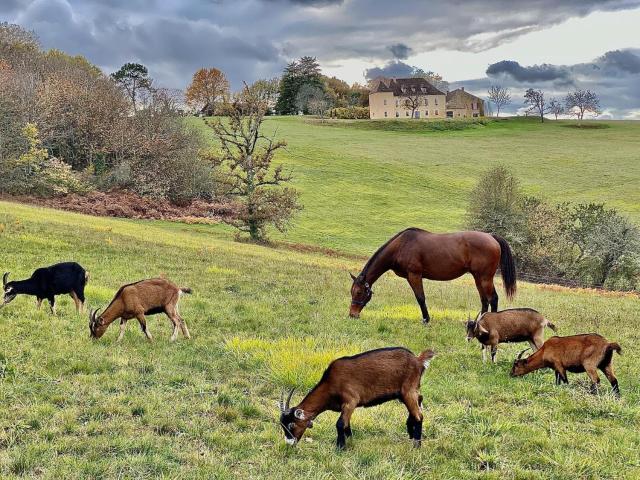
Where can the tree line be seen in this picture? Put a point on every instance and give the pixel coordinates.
(67, 127)
(576, 104)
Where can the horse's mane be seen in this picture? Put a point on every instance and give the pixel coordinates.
(381, 249)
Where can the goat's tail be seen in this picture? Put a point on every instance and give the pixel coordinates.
(507, 266)
(614, 347)
(551, 326)
(425, 357)
(186, 290)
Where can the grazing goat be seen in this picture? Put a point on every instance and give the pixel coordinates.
(363, 380)
(576, 353)
(45, 283)
(508, 326)
(146, 297)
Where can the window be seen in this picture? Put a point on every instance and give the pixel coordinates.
(426, 113)
(436, 101)
(385, 114)
(424, 90)
(474, 106)
(437, 113)
(397, 103)
(397, 114)
(476, 115)
(426, 102)
(385, 101)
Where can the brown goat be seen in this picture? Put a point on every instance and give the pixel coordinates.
(508, 326)
(577, 354)
(363, 380)
(146, 297)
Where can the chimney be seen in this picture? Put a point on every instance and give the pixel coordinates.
(462, 88)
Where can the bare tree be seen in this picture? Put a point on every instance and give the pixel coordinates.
(248, 153)
(535, 100)
(580, 102)
(412, 102)
(500, 96)
(556, 107)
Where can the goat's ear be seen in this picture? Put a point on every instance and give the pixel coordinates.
(5, 278)
(353, 277)
(299, 414)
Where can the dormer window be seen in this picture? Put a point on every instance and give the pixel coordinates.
(424, 90)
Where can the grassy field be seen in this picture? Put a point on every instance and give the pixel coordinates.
(362, 181)
(264, 319)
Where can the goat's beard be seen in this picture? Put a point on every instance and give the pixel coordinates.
(7, 300)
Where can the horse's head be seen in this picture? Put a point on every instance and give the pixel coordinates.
(361, 293)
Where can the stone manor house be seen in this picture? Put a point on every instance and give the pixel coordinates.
(388, 100)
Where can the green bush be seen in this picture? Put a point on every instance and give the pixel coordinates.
(34, 173)
(350, 113)
(587, 244)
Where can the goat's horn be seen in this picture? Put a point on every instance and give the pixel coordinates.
(5, 277)
(522, 353)
(287, 405)
(281, 402)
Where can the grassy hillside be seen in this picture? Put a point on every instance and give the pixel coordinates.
(263, 320)
(363, 181)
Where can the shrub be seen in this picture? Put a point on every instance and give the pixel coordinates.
(34, 173)
(350, 113)
(584, 243)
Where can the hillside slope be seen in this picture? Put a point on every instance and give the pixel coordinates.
(361, 182)
(263, 320)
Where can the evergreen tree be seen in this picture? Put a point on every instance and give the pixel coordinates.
(296, 74)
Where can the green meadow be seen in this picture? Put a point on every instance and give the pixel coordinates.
(362, 181)
(265, 319)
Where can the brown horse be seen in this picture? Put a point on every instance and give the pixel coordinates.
(415, 254)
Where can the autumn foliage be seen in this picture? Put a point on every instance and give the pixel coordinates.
(209, 85)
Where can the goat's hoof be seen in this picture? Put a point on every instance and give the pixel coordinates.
(425, 321)
(417, 443)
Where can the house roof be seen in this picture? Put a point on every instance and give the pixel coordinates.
(403, 86)
(459, 98)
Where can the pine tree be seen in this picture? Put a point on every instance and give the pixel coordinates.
(296, 74)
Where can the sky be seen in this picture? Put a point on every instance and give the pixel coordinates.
(554, 45)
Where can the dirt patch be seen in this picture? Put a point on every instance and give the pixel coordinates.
(122, 204)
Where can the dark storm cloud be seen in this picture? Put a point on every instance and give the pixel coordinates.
(624, 60)
(311, 3)
(249, 39)
(614, 76)
(400, 51)
(391, 69)
(535, 73)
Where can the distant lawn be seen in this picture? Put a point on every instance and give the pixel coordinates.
(409, 126)
(361, 181)
(263, 320)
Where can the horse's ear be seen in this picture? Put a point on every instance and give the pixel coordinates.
(353, 277)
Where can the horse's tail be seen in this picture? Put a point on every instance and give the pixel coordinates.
(507, 266)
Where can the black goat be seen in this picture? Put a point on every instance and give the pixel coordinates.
(45, 283)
